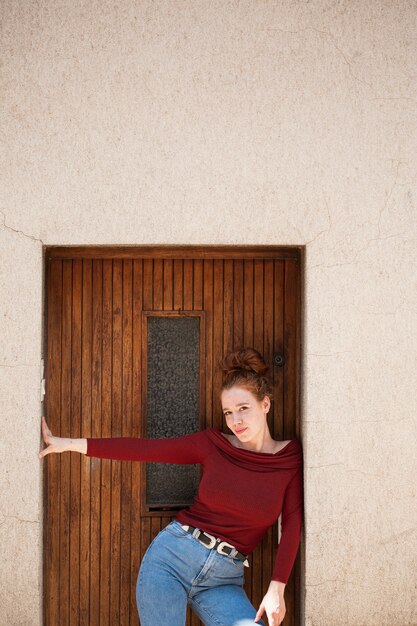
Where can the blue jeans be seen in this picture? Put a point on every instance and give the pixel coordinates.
(177, 570)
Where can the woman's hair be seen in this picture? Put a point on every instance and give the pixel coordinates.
(246, 368)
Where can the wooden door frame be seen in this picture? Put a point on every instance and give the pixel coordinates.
(175, 251)
(296, 254)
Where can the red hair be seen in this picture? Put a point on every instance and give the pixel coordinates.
(246, 368)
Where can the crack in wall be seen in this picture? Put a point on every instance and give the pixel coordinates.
(366, 473)
(384, 206)
(20, 232)
(18, 519)
(355, 259)
(336, 46)
(403, 533)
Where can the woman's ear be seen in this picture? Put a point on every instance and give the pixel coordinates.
(267, 403)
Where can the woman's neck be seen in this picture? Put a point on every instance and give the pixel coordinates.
(262, 443)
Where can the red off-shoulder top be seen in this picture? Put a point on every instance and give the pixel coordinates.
(241, 492)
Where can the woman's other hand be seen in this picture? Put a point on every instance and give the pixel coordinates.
(274, 604)
(60, 444)
(54, 444)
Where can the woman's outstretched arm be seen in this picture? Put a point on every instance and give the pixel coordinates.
(188, 449)
(60, 444)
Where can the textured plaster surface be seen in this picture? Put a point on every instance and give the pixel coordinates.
(231, 123)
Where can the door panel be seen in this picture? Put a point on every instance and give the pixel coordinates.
(96, 527)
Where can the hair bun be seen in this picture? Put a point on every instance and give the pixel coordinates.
(248, 359)
(246, 368)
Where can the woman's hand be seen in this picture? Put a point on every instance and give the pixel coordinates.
(60, 444)
(54, 444)
(274, 604)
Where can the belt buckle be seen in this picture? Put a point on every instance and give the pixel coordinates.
(225, 543)
(212, 543)
(221, 545)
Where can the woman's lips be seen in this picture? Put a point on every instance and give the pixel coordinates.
(238, 432)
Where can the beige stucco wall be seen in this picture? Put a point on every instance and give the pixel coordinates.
(252, 122)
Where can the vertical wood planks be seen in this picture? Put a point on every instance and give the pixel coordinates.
(52, 463)
(139, 538)
(292, 322)
(168, 285)
(85, 431)
(116, 420)
(208, 305)
(64, 536)
(227, 307)
(268, 349)
(258, 344)
(96, 431)
(75, 431)
(217, 334)
(126, 430)
(198, 284)
(291, 345)
(106, 495)
(158, 269)
(188, 287)
(178, 285)
(238, 303)
(248, 304)
(279, 269)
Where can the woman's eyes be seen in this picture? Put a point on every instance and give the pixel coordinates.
(242, 408)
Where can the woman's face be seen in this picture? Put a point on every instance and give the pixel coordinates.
(244, 414)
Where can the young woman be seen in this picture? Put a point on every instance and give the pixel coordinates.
(249, 479)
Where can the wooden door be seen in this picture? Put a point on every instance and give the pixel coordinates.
(98, 303)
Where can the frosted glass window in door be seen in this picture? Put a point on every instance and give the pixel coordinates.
(172, 404)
